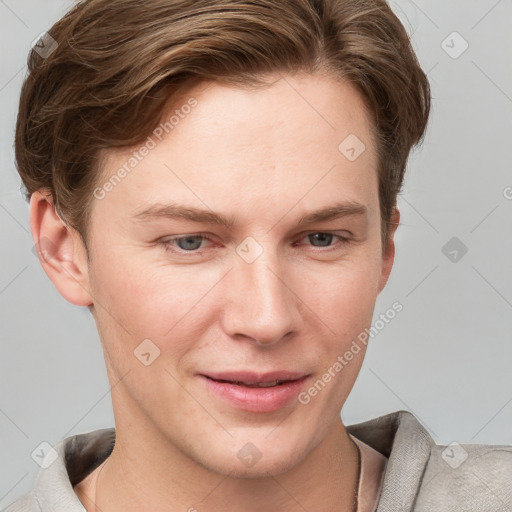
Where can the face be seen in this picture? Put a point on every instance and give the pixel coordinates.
(211, 275)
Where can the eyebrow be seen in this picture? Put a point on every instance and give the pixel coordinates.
(176, 211)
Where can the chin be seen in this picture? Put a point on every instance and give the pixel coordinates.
(249, 462)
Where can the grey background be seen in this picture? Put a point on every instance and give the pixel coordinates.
(446, 357)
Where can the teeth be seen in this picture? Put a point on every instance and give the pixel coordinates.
(260, 384)
(267, 384)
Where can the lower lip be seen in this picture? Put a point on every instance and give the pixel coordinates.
(256, 399)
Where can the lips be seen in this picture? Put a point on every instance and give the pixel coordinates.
(255, 392)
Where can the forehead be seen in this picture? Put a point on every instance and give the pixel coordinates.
(301, 139)
(291, 111)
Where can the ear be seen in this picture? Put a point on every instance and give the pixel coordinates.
(60, 250)
(388, 255)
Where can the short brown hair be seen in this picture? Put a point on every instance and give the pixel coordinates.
(119, 62)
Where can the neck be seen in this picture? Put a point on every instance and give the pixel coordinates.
(146, 476)
(153, 475)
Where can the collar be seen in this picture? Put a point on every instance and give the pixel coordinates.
(400, 437)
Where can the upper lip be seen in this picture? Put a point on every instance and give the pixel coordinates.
(250, 377)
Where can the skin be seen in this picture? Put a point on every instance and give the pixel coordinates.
(266, 158)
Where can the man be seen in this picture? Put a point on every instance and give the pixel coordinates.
(216, 181)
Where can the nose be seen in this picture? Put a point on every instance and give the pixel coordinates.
(261, 306)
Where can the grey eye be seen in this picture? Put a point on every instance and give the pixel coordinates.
(187, 243)
(325, 239)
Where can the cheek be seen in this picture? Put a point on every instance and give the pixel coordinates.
(343, 300)
(137, 300)
(344, 295)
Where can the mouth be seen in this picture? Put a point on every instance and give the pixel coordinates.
(255, 392)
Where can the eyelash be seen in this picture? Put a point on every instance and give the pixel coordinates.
(168, 244)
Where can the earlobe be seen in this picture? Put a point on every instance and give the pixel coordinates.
(388, 255)
(60, 250)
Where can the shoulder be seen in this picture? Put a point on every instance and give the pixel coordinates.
(27, 503)
(69, 462)
(424, 476)
(472, 477)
